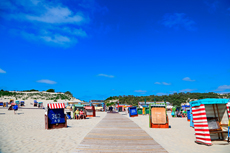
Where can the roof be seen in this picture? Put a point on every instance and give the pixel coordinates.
(158, 104)
(78, 105)
(143, 103)
(55, 105)
(96, 100)
(209, 101)
(73, 102)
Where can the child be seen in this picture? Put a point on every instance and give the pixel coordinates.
(15, 108)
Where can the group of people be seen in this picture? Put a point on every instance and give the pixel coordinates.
(13, 107)
(181, 113)
(80, 114)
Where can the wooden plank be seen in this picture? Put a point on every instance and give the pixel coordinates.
(116, 133)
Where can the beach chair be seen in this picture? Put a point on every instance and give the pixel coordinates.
(35, 103)
(90, 111)
(55, 116)
(158, 117)
(75, 107)
(22, 103)
(11, 101)
(40, 104)
(17, 102)
(133, 111)
(139, 111)
(210, 118)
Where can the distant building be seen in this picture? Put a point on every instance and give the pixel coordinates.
(114, 101)
(141, 104)
(100, 101)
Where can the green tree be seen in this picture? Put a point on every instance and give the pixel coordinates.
(69, 93)
(50, 90)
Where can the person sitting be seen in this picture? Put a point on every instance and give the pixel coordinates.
(81, 114)
(176, 113)
(77, 113)
(184, 113)
(179, 114)
(173, 113)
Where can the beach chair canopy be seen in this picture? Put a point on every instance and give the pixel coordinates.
(158, 104)
(209, 101)
(89, 107)
(55, 105)
(77, 105)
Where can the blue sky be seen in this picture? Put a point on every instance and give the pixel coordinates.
(101, 48)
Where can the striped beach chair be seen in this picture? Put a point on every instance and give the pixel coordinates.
(210, 118)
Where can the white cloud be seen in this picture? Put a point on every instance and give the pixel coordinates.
(223, 88)
(178, 21)
(161, 93)
(46, 81)
(2, 71)
(143, 91)
(187, 90)
(53, 23)
(188, 79)
(165, 83)
(105, 75)
(76, 32)
(59, 39)
(56, 15)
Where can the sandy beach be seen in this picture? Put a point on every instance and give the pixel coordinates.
(179, 138)
(25, 132)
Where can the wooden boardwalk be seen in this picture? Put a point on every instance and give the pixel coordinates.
(116, 133)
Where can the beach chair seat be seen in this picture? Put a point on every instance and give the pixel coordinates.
(215, 127)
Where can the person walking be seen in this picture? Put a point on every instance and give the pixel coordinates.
(15, 108)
